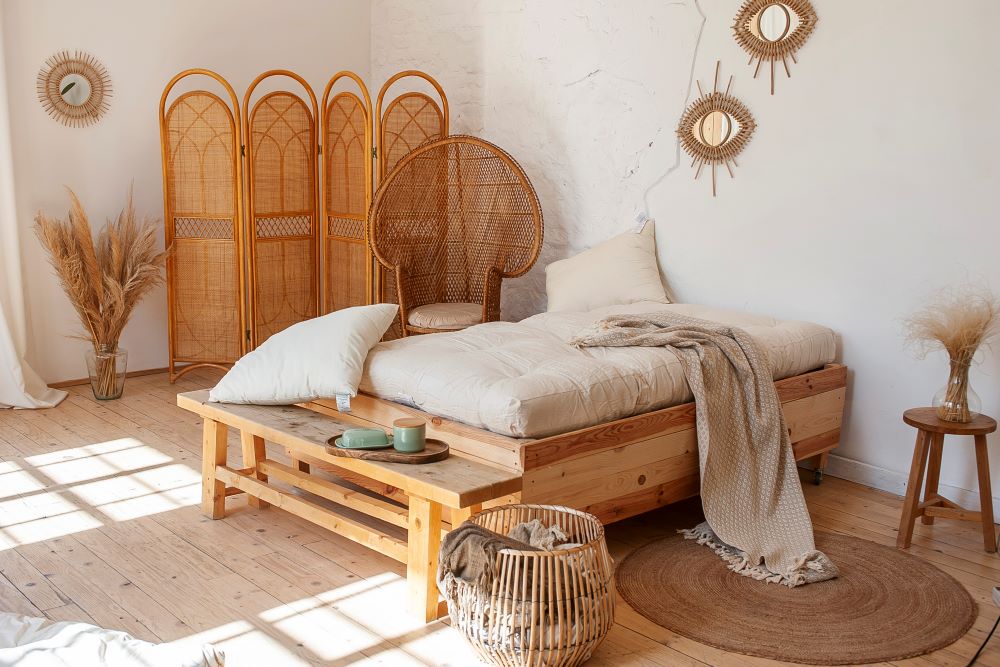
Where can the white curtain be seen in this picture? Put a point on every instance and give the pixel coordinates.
(20, 386)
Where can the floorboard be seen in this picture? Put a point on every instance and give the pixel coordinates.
(99, 522)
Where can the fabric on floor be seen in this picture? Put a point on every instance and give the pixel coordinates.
(39, 642)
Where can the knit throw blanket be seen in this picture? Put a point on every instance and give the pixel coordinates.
(756, 517)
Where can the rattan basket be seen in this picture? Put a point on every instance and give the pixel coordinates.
(548, 608)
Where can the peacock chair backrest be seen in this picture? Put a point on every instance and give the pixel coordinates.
(452, 219)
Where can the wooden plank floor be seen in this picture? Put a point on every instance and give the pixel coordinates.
(99, 522)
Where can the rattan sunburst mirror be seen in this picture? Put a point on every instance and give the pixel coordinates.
(774, 30)
(715, 128)
(74, 89)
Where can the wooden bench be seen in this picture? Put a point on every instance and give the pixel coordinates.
(457, 483)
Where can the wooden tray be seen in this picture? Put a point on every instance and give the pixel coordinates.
(436, 450)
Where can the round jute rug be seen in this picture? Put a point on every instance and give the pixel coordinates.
(885, 605)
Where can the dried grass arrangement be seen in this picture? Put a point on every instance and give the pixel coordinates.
(959, 321)
(104, 279)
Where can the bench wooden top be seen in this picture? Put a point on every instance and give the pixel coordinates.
(454, 482)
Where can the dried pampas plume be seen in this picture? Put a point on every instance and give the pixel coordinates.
(957, 320)
(104, 279)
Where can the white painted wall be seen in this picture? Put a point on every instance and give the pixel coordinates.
(142, 44)
(871, 180)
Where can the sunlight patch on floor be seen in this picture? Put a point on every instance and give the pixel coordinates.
(72, 490)
(15, 481)
(69, 466)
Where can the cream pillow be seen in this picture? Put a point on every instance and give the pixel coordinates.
(318, 358)
(619, 271)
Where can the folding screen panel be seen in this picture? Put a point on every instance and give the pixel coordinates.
(347, 192)
(199, 138)
(283, 207)
(410, 119)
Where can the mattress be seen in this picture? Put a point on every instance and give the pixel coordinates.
(522, 379)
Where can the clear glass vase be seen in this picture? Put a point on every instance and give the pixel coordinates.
(106, 366)
(957, 401)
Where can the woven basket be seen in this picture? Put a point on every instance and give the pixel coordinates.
(548, 608)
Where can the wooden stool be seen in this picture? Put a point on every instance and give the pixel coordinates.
(930, 439)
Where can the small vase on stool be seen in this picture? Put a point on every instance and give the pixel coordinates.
(957, 401)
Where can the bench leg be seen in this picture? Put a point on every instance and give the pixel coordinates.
(253, 453)
(213, 453)
(458, 515)
(424, 540)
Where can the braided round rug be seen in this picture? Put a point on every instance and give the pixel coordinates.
(885, 605)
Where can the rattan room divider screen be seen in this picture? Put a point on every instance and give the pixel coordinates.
(410, 119)
(266, 203)
(347, 184)
(202, 202)
(283, 234)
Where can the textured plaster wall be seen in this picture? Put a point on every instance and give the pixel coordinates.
(580, 93)
(871, 180)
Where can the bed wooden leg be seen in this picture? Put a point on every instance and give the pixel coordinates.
(424, 540)
(253, 453)
(821, 463)
(213, 454)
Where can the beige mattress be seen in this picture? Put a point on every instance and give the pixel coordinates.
(523, 380)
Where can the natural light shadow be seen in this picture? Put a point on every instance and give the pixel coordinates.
(59, 493)
(74, 490)
(372, 624)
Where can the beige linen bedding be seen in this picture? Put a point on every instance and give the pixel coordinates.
(524, 379)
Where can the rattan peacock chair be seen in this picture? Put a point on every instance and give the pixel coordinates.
(453, 219)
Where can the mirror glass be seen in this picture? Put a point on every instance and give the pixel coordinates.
(74, 89)
(773, 22)
(713, 129)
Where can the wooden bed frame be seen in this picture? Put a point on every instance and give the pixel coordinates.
(617, 469)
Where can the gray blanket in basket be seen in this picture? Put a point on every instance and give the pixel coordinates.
(469, 553)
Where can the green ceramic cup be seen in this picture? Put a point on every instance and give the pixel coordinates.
(409, 435)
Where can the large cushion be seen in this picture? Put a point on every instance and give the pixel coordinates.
(523, 379)
(445, 316)
(320, 357)
(619, 271)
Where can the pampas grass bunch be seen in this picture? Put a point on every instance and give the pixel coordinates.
(958, 321)
(104, 278)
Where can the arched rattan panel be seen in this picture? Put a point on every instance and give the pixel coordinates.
(454, 219)
(283, 205)
(202, 214)
(347, 192)
(411, 119)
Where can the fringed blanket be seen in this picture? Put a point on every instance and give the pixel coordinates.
(756, 517)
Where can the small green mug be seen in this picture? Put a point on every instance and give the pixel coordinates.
(409, 435)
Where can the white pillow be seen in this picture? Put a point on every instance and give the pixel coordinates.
(619, 271)
(318, 358)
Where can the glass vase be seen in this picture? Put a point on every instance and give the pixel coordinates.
(957, 401)
(106, 366)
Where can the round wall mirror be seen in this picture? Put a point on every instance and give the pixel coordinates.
(773, 31)
(773, 22)
(74, 89)
(714, 128)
